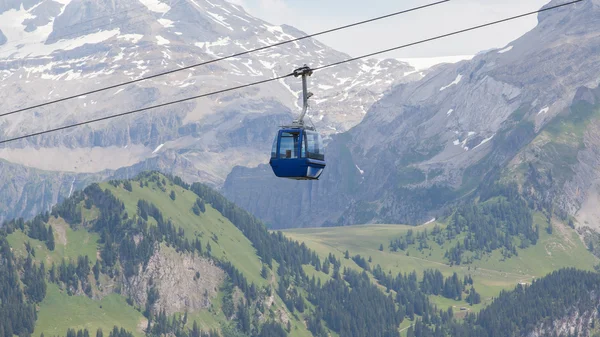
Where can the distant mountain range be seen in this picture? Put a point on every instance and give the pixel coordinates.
(52, 49)
(525, 114)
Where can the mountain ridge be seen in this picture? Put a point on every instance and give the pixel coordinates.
(431, 143)
(128, 39)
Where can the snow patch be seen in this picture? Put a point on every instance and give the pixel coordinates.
(241, 18)
(507, 49)
(376, 69)
(450, 112)
(484, 141)
(278, 32)
(544, 110)
(224, 41)
(456, 81)
(343, 80)
(156, 6)
(219, 19)
(161, 41)
(166, 23)
(134, 38)
(185, 85)
(158, 148)
(430, 221)
(456, 142)
(267, 64)
(36, 46)
(71, 189)
(359, 170)
(120, 56)
(253, 72)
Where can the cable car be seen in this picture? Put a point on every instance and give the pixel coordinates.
(297, 151)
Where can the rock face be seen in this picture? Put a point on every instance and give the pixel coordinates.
(184, 282)
(27, 191)
(429, 143)
(574, 321)
(53, 49)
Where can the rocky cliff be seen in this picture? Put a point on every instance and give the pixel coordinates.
(183, 282)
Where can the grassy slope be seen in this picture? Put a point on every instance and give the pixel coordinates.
(556, 147)
(231, 244)
(69, 244)
(562, 249)
(59, 311)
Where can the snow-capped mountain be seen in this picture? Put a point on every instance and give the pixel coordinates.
(525, 114)
(50, 49)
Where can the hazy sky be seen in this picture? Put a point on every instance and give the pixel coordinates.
(315, 15)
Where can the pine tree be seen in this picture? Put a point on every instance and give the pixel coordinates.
(96, 270)
(50, 241)
(127, 185)
(195, 330)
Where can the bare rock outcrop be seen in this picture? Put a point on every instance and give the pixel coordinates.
(184, 282)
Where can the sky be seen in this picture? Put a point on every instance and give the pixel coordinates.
(313, 16)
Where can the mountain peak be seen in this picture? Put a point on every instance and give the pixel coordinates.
(567, 12)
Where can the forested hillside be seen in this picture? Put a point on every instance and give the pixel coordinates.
(467, 262)
(542, 309)
(105, 252)
(106, 247)
(156, 256)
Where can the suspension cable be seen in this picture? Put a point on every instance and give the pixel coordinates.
(223, 58)
(288, 75)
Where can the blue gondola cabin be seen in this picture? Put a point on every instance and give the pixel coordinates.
(297, 153)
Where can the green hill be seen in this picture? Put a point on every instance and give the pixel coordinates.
(108, 214)
(491, 274)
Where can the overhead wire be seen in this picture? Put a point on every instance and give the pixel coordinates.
(225, 58)
(288, 75)
(492, 23)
